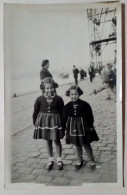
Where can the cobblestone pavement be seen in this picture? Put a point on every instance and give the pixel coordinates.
(29, 156)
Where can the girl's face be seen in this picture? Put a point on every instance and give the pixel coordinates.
(49, 89)
(74, 95)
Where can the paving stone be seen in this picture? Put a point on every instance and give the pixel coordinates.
(76, 182)
(15, 175)
(106, 178)
(41, 179)
(24, 170)
(43, 161)
(28, 178)
(21, 159)
(33, 154)
(68, 151)
(61, 180)
(36, 166)
(69, 168)
(43, 155)
(70, 157)
(67, 162)
(20, 164)
(39, 172)
(91, 177)
(55, 173)
(105, 148)
(100, 144)
(33, 160)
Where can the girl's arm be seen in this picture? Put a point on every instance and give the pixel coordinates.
(65, 117)
(61, 107)
(90, 116)
(36, 110)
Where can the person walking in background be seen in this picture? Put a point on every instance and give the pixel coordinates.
(91, 73)
(78, 123)
(109, 79)
(47, 118)
(44, 73)
(82, 74)
(75, 73)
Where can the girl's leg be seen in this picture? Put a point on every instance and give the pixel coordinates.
(49, 148)
(58, 148)
(89, 151)
(108, 94)
(79, 153)
(79, 157)
(50, 154)
(112, 89)
(59, 153)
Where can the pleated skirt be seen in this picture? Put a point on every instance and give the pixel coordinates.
(48, 126)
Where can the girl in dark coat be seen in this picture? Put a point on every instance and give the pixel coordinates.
(78, 122)
(47, 118)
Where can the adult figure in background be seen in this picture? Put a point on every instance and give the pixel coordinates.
(82, 74)
(109, 79)
(75, 73)
(44, 73)
(91, 73)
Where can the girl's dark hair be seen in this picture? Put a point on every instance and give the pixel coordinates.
(44, 62)
(75, 87)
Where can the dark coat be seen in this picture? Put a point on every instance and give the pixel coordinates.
(44, 74)
(75, 72)
(84, 111)
(41, 105)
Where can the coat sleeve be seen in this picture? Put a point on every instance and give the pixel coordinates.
(36, 110)
(65, 117)
(90, 117)
(61, 107)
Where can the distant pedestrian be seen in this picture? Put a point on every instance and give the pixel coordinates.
(109, 79)
(75, 73)
(78, 123)
(82, 74)
(47, 118)
(91, 73)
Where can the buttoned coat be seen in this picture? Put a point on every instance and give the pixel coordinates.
(79, 109)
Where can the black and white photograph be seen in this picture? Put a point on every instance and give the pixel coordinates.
(63, 112)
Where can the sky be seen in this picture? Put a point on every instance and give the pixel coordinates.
(58, 33)
(34, 33)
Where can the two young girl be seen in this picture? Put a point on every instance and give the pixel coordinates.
(52, 119)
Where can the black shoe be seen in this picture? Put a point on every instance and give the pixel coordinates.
(60, 165)
(78, 166)
(49, 165)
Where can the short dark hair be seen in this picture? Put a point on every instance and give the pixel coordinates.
(75, 87)
(44, 62)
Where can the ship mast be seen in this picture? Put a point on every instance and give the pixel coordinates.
(99, 35)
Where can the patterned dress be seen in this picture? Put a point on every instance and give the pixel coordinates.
(78, 119)
(47, 118)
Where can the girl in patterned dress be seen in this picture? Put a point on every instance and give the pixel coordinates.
(78, 122)
(47, 118)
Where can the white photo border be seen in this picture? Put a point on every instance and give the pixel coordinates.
(119, 105)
